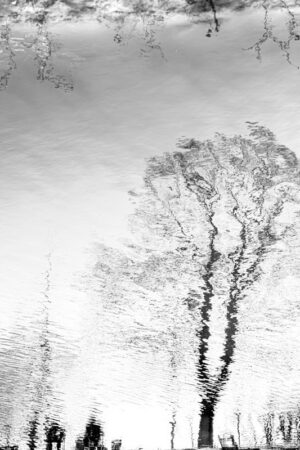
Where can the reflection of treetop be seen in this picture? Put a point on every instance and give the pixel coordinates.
(236, 171)
(220, 198)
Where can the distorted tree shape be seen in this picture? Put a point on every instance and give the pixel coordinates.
(216, 206)
(269, 33)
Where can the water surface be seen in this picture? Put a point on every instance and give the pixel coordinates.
(84, 104)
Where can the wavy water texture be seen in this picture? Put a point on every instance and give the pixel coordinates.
(195, 311)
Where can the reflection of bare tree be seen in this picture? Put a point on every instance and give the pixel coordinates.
(269, 35)
(7, 56)
(44, 47)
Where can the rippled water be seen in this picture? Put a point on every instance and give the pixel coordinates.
(94, 317)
